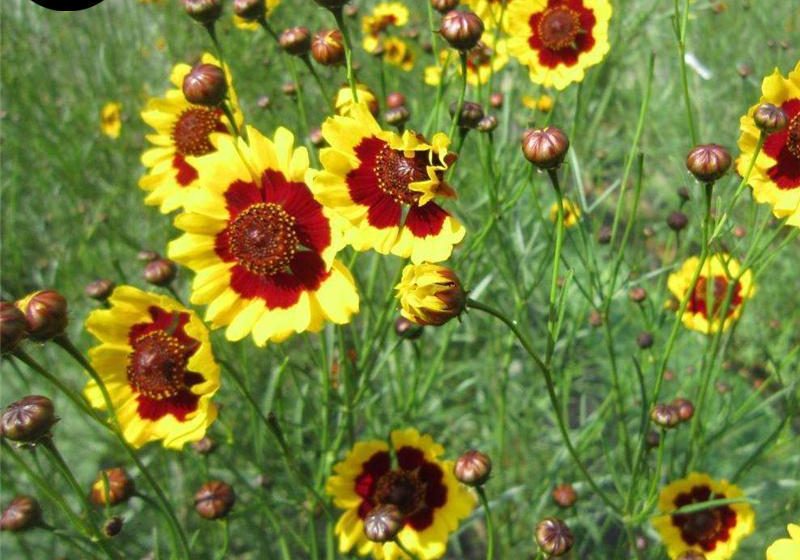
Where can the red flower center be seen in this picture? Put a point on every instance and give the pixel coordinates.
(157, 366)
(698, 302)
(263, 239)
(707, 527)
(395, 171)
(192, 128)
(793, 136)
(559, 27)
(403, 489)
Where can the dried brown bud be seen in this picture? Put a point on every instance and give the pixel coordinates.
(28, 420)
(708, 162)
(327, 47)
(685, 409)
(295, 40)
(383, 523)
(160, 272)
(12, 326)
(444, 6)
(250, 10)
(45, 314)
(471, 114)
(214, 500)
(119, 489)
(564, 495)
(553, 536)
(407, 329)
(205, 85)
(677, 221)
(770, 118)
(99, 289)
(23, 512)
(204, 446)
(665, 415)
(496, 100)
(637, 294)
(113, 526)
(487, 123)
(545, 147)
(644, 340)
(203, 11)
(397, 116)
(473, 468)
(461, 29)
(395, 99)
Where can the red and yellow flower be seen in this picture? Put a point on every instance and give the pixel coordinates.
(775, 178)
(111, 119)
(430, 294)
(412, 477)
(704, 308)
(485, 58)
(183, 131)
(715, 531)
(397, 53)
(786, 549)
(558, 39)
(156, 362)
(344, 102)
(263, 248)
(382, 17)
(385, 184)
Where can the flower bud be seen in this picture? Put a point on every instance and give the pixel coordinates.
(652, 439)
(683, 194)
(487, 123)
(203, 11)
(473, 468)
(383, 523)
(545, 147)
(677, 221)
(665, 415)
(23, 512)
(685, 409)
(396, 116)
(770, 118)
(471, 114)
(289, 89)
(739, 232)
(644, 340)
(430, 294)
(204, 446)
(12, 326)
(327, 47)
(99, 289)
(295, 40)
(744, 70)
(691, 555)
(708, 162)
(112, 526)
(205, 85)
(564, 495)
(146, 255)
(214, 500)
(461, 29)
(496, 100)
(444, 6)
(395, 99)
(28, 420)
(160, 272)
(407, 329)
(553, 536)
(637, 294)
(45, 314)
(250, 10)
(119, 488)
(604, 235)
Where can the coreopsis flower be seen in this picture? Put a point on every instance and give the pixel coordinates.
(382, 17)
(715, 531)
(430, 294)
(344, 102)
(182, 130)
(111, 119)
(718, 272)
(397, 53)
(156, 362)
(572, 213)
(492, 12)
(543, 104)
(262, 247)
(253, 25)
(385, 185)
(786, 549)
(775, 178)
(558, 39)
(411, 477)
(483, 59)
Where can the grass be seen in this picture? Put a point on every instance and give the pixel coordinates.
(72, 212)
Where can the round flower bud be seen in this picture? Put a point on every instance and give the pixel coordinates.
(604, 235)
(204, 446)
(690, 555)
(461, 29)
(395, 99)
(564, 495)
(487, 123)
(677, 221)
(23, 512)
(112, 526)
(553, 536)
(708, 162)
(327, 47)
(214, 500)
(430, 294)
(496, 100)
(250, 10)
(203, 11)
(471, 114)
(444, 6)
(146, 255)
(545, 147)
(383, 523)
(407, 329)
(205, 85)
(160, 272)
(683, 194)
(28, 420)
(119, 489)
(45, 314)
(12, 326)
(637, 294)
(473, 468)
(396, 116)
(295, 40)
(99, 289)
(644, 340)
(665, 415)
(652, 439)
(685, 409)
(770, 118)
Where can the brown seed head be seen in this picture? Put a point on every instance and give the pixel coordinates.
(473, 468)
(45, 314)
(564, 495)
(119, 489)
(461, 29)
(23, 512)
(708, 162)
(770, 118)
(12, 326)
(160, 272)
(28, 420)
(205, 85)
(327, 47)
(295, 40)
(677, 221)
(444, 6)
(545, 147)
(250, 10)
(214, 500)
(665, 415)
(203, 11)
(99, 289)
(553, 536)
(383, 523)
(685, 409)
(644, 340)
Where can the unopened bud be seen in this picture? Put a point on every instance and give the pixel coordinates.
(564, 495)
(203, 11)
(383, 523)
(332, 5)
(471, 114)
(289, 89)
(677, 221)
(146, 255)
(28, 420)
(214, 500)
(473, 468)
(487, 123)
(395, 99)
(665, 415)
(205, 85)
(637, 294)
(45, 314)
(316, 138)
(112, 486)
(160, 272)
(99, 289)
(644, 340)
(545, 147)
(397, 116)
(683, 194)
(652, 439)
(496, 100)
(23, 512)
(685, 409)
(204, 446)
(708, 162)
(553, 536)
(604, 235)
(327, 47)
(461, 29)
(12, 326)
(770, 118)
(295, 40)
(113, 526)
(250, 10)
(444, 6)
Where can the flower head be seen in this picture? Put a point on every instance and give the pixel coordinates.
(111, 119)
(572, 213)
(420, 484)
(155, 361)
(558, 39)
(716, 531)
(786, 549)
(262, 246)
(775, 178)
(397, 53)
(383, 16)
(430, 294)
(485, 58)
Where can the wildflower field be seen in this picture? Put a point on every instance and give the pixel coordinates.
(306, 279)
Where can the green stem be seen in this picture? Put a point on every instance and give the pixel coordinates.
(405, 550)
(322, 90)
(462, 93)
(681, 24)
(552, 318)
(348, 51)
(489, 523)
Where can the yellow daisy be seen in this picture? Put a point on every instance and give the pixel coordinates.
(430, 294)
(419, 483)
(558, 39)
(262, 246)
(397, 53)
(786, 549)
(714, 532)
(572, 213)
(721, 269)
(775, 178)
(182, 130)
(543, 104)
(384, 184)
(111, 119)
(383, 16)
(344, 103)
(482, 60)
(156, 362)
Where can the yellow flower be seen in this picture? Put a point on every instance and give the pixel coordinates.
(262, 247)
(155, 360)
(110, 119)
(558, 39)
(786, 549)
(248, 25)
(182, 130)
(544, 104)
(430, 294)
(419, 483)
(383, 16)
(397, 53)
(384, 184)
(775, 178)
(482, 60)
(714, 532)
(572, 213)
(344, 99)
(720, 269)
(492, 12)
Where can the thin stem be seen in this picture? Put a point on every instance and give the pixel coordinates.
(489, 523)
(681, 24)
(405, 550)
(552, 316)
(460, 104)
(348, 51)
(322, 90)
